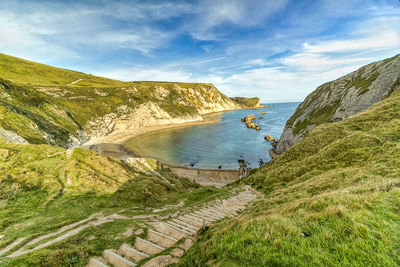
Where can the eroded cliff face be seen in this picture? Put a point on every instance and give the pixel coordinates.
(199, 99)
(341, 99)
(72, 114)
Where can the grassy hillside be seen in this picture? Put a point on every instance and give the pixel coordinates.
(333, 200)
(43, 188)
(247, 101)
(44, 104)
(27, 72)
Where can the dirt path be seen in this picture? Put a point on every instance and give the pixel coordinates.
(74, 82)
(66, 231)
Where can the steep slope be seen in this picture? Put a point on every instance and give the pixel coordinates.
(341, 99)
(333, 199)
(43, 104)
(251, 102)
(71, 204)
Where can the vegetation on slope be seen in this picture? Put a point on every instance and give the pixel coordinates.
(247, 101)
(43, 188)
(332, 199)
(48, 105)
(361, 80)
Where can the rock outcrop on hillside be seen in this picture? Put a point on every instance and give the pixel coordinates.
(343, 98)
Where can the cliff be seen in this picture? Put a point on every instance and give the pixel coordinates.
(251, 102)
(342, 98)
(332, 199)
(41, 104)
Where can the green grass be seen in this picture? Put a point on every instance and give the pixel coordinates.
(43, 189)
(362, 84)
(27, 72)
(246, 101)
(317, 117)
(40, 104)
(332, 200)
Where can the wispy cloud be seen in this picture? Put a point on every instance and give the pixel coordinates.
(277, 50)
(147, 74)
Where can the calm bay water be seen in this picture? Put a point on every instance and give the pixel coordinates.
(208, 146)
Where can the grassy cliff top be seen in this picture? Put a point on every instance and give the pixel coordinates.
(333, 200)
(43, 188)
(23, 71)
(321, 105)
(44, 104)
(247, 101)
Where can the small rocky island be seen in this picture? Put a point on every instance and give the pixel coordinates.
(269, 138)
(248, 120)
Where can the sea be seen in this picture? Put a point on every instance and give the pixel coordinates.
(217, 145)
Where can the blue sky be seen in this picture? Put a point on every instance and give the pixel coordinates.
(279, 50)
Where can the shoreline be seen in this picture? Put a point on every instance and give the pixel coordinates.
(114, 144)
(122, 136)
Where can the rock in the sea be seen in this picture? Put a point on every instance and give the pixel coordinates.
(263, 112)
(248, 120)
(274, 144)
(260, 118)
(269, 138)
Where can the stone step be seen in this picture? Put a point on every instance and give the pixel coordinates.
(223, 211)
(236, 200)
(215, 211)
(225, 208)
(191, 221)
(204, 214)
(211, 216)
(167, 230)
(161, 239)
(201, 217)
(161, 261)
(191, 226)
(116, 260)
(198, 219)
(246, 198)
(250, 198)
(235, 205)
(189, 233)
(214, 214)
(132, 253)
(95, 262)
(147, 246)
(187, 229)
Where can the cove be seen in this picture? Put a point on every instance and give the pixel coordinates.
(208, 146)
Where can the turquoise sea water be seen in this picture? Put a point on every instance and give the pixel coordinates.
(209, 146)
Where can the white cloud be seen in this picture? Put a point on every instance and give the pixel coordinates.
(147, 74)
(210, 14)
(312, 62)
(382, 40)
(257, 62)
(30, 29)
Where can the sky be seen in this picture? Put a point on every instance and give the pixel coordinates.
(278, 50)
